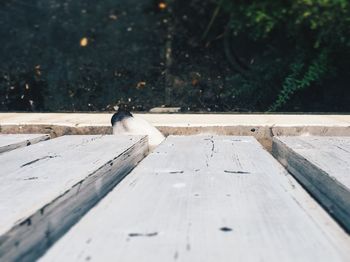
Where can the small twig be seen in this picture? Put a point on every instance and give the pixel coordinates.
(212, 20)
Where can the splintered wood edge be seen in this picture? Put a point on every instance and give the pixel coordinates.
(30, 238)
(25, 142)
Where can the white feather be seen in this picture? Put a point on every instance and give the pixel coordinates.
(138, 126)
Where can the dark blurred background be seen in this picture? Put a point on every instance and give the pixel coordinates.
(215, 55)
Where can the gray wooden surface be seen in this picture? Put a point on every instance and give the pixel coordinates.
(322, 165)
(46, 187)
(205, 198)
(10, 142)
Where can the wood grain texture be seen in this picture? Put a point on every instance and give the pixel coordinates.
(205, 198)
(47, 187)
(322, 165)
(10, 142)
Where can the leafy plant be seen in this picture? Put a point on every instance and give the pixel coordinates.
(281, 48)
(298, 80)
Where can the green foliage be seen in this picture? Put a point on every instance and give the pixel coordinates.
(298, 80)
(309, 38)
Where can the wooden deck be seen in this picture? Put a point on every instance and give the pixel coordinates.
(322, 165)
(47, 187)
(194, 198)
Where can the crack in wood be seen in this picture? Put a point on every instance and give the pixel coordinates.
(176, 172)
(211, 151)
(31, 178)
(343, 149)
(143, 234)
(27, 222)
(236, 172)
(38, 159)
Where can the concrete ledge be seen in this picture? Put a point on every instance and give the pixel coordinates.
(261, 126)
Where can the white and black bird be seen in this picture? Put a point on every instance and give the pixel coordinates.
(124, 123)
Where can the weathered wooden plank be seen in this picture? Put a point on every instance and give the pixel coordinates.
(205, 198)
(322, 165)
(10, 142)
(47, 187)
